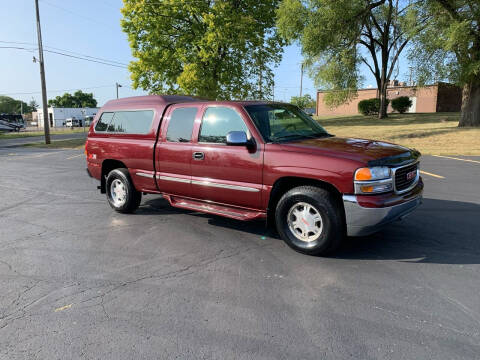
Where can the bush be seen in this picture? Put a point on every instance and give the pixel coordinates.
(370, 106)
(401, 104)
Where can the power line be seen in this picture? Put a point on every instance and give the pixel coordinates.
(86, 59)
(17, 42)
(63, 90)
(16, 47)
(89, 56)
(67, 51)
(67, 55)
(77, 14)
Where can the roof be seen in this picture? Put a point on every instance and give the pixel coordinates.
(152, 100)
(175, 99)
(391, 87)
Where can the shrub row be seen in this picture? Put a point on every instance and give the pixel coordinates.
(372, 106)
(369, 106)
(401, 104)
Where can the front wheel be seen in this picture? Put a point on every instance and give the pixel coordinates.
(121, 193)
(309, 220)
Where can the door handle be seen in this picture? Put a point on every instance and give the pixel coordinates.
(198, 155)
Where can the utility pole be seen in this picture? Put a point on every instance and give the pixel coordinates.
(117, 85)
(301, 80)
(46, 124)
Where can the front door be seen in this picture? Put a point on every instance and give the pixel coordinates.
(174, 150)
(221, 173)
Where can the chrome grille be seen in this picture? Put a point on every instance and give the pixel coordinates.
(401, 181)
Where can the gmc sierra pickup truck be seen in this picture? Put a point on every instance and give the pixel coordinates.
(251, 160)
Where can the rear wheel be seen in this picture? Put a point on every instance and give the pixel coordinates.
(310, 221)
(121, 193)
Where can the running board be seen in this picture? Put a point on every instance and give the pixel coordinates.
(216, 209)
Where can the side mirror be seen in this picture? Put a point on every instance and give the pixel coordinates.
(237, 138)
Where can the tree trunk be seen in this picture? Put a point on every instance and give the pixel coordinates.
(470, 115)
(382, 111)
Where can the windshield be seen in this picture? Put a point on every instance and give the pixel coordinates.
(12, 118)
(284, 122)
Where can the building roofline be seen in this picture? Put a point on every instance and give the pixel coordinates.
(392, 87)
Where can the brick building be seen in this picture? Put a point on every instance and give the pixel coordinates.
(441, 97)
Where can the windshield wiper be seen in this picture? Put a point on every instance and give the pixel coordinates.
(300, 136)
(319, 135)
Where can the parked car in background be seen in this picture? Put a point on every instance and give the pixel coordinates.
(310, 111)
(73, 122)
(11, 122)
(88, 120)
(251, 160)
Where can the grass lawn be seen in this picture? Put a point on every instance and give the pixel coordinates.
(60, 144)
(22, 134)
(434, 134)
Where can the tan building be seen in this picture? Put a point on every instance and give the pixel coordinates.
(441, 97)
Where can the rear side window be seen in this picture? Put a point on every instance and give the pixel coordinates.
(218, 122)
(131, 122)
(180, 125)
(103, 122)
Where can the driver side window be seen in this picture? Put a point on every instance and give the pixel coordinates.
(217, 122)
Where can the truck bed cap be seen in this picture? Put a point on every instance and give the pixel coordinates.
(151, 99)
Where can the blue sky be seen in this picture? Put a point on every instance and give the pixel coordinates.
(92, 27)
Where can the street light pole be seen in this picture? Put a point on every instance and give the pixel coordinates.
(117, 85)
(46, 124)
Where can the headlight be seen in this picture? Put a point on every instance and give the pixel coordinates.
(373, 180)
(373, 173)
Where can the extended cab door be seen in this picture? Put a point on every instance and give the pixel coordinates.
(221, 173)
(173, 153)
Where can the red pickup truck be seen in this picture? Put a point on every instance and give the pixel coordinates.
(251, 160)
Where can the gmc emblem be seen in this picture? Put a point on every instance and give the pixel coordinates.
(411, 175)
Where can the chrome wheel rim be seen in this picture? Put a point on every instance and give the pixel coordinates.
(118, 192)
(305, 222)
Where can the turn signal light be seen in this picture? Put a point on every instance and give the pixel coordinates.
(367, 189)
(363, 174)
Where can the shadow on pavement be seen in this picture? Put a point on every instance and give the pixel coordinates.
(439, 231)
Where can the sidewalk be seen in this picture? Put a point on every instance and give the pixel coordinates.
(35, 139)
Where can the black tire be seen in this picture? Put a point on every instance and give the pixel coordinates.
(132, 197)
(332, 229)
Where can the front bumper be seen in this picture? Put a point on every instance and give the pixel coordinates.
(362, 221)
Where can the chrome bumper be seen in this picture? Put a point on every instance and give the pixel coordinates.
(363, 221)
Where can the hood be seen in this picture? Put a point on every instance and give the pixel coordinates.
(370, 152)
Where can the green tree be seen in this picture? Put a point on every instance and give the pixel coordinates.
(78, 100)
(338, 35)
(10, 105)
(33, 105)
(303, 102)
(449, 49)
(219, 49)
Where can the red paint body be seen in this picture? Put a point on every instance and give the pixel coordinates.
(330, 160)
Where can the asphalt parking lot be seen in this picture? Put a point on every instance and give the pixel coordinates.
(5, 142)
(80, 281)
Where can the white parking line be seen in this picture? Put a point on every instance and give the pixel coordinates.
(454, 158)
(75, 156)
(27, 156)
(430, 174)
